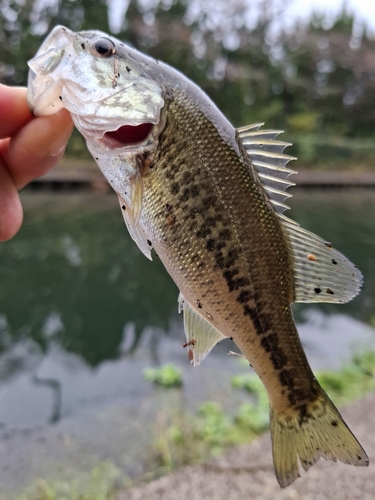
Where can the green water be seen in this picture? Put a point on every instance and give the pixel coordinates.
(73, 276)
(347, 219)
(83, 312)
(74, 261)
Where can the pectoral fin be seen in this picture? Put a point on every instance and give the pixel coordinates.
(201, 336)
(134, 228)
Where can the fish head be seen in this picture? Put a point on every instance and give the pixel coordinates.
(95, 77)
(106, 85)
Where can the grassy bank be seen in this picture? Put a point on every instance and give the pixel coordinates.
(182, 439)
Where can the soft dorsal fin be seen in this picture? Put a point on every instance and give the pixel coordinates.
(269, 161)
(201, 335)
(321, 273)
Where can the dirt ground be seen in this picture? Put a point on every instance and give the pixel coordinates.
(247, 472)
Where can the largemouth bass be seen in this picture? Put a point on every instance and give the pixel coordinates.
(209, 199)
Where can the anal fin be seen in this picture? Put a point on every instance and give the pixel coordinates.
(201, 336)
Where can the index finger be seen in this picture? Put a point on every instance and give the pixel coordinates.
(14, 109)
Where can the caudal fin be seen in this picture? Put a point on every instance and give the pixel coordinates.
(314, 430)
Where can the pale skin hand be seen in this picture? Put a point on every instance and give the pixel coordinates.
(29, 147)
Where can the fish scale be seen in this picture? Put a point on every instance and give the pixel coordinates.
(209, 200)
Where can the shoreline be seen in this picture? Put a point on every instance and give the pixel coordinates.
(247, 472)
(77, 175)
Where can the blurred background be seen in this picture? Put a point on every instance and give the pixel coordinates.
(94, 383)
(306, 67)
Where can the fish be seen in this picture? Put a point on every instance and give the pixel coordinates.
(209, 200)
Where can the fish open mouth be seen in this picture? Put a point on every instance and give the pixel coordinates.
(128, 135)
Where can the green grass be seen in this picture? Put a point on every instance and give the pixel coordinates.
(182, 438)
(102, 483)
(166, 376)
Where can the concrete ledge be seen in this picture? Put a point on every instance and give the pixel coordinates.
(76, 174)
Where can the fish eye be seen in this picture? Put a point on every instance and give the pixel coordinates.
(103, 48)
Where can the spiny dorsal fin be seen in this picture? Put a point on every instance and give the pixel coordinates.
(266, 154)
(201, 336)
(321, 273)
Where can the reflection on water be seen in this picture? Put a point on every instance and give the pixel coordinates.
(347, 219)
(77, 294)
(74, 275)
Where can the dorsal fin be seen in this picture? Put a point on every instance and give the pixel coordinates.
(321, 273)
(269, 161)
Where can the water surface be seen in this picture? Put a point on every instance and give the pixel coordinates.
(83, 312)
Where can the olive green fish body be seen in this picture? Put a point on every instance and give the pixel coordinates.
(209, 199)
(214, 230)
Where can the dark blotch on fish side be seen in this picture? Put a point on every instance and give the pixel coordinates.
(149, 243)
(187, 177)
(232, 257)
(210, 245)
(220, 260)
(238, 283)
(334, 423)
(128, 69)
(203, 231)
(286, 378)
(244, 296)
(175, 188)
(210, 221)
(199, 304)
(253, 315)
(170, 175)
(331, 292)
(83, 46)
(229, 275)
(270, 344)
(334, 262)
(185, 195)
(123, 207)
(328, 244)
(317, 290)
(207, 202)
(225, 234)
(194, 191)
(168, 207)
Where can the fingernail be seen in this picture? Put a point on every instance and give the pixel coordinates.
(56, 148)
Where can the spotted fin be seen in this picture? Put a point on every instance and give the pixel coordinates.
(315, 430)
(321, 273)
(134, 228)
(201, 336)
(266, 154)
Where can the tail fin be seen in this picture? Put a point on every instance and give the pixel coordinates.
(315, 430)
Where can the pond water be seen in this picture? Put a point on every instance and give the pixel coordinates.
(83, 312)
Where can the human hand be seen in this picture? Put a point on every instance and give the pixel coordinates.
(29, 147)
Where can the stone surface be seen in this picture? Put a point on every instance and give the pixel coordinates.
(247, 472)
